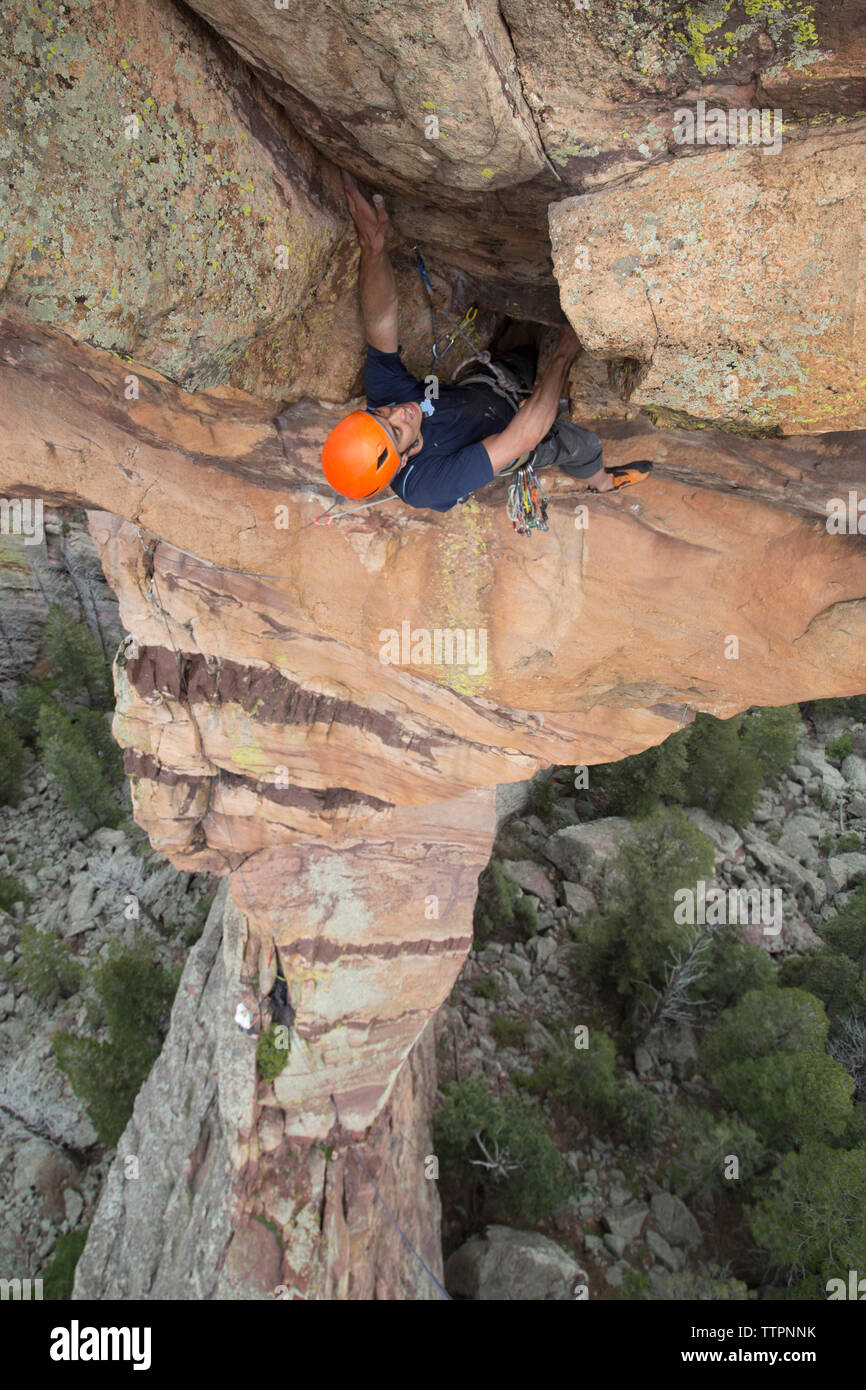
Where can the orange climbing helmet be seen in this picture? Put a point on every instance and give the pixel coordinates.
(360, 455)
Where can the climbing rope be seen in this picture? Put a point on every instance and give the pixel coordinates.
(320, 519)
(527, 502)
(443, 1293)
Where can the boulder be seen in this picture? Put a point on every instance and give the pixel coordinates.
(626, 1222)
(679, 1046)
(661, 1251)
(79, 904)
(727, 843)
(646, 254)
(73, 1206)
(509, 1265)
(674, 1221)
(781, 866)
(853, 770)
(107, 838)
(43, 1166)
(832, 779)
(798, 845)
(542, 948)
(531, 877)
(797, 935)
(813, 758)
(583, 851)
(845, 869)
(798, 772)
(578, 900)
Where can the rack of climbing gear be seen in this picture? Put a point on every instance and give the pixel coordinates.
(527, 502)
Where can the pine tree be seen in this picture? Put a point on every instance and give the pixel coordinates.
(77, 660)
(11, 763)
(80, 754)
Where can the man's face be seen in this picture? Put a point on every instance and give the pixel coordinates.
(404, 421)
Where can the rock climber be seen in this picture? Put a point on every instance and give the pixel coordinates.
(434, 453)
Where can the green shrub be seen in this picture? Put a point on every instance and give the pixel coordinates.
(635, 786)
(734, 968)
(500, 910)
(585, 1081)
(79, 753)
(837, 972)
(508, 1032)
(58, 1276)
(833, 978)
(627, 941)
(542, 798)
(581, 1078)
(766, 1057)
(771, 734)
(840, 748)
(714, 763)
(848, 842)
(525, 918)
(634, 1113)
(76, 660)
(272, 1051)
(11, 763)
(46, 967)
(847, 930)
(791, 1098)
(12, 891)
(854, 1134)
(724, 772)
(488, 988)
(691, 1285)
(854, 706)
(513, 1128)
(134, 993)
(704, 1143)
(30, 696)
(812, 1216)
(766, 1021)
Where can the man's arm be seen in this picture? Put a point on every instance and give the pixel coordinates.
(378, 286)
(537, 414)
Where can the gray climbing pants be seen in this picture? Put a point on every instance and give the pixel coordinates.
(578, 452)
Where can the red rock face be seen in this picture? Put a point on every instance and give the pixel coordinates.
(350, 799)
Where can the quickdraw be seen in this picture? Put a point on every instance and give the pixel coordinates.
(457, 328)
(527, 502)
(480, 355)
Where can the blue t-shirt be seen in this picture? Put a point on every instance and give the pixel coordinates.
(453, 461)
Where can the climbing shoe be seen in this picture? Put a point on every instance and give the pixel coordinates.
(627, 475)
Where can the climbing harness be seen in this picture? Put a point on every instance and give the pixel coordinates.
(527, 502)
